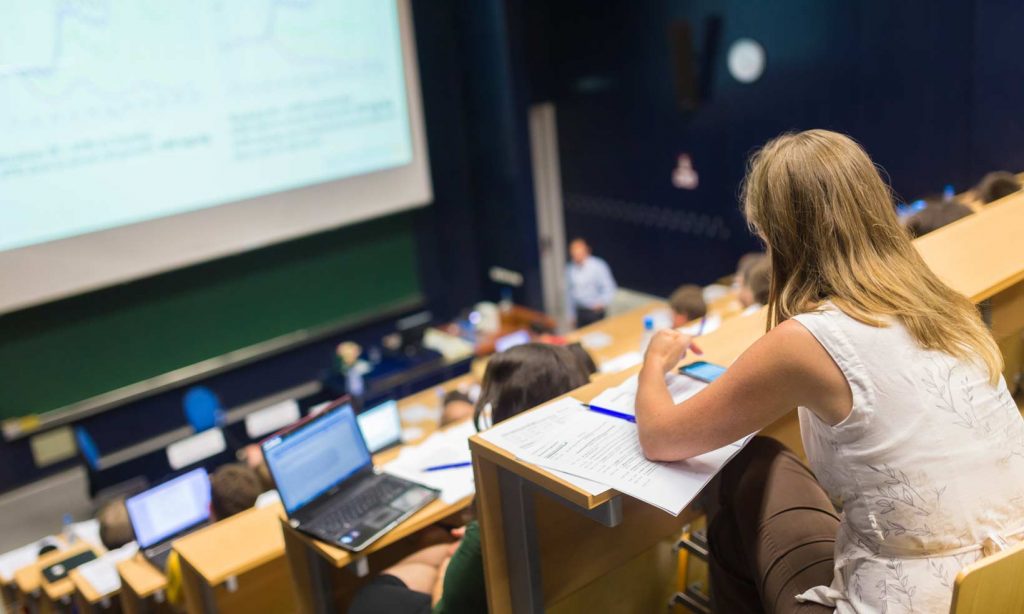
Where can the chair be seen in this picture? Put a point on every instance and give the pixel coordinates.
(202, 408)
(992, 584)
(87, 446)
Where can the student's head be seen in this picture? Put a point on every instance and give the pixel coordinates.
(817, 201)
(996, 185)
(756, 283)
(456, 406)
(115, 528)
(936, 214)
(743, 265)
(583, 356)
(687, 303)
(525, 376)
(579, 250)
(233, 488)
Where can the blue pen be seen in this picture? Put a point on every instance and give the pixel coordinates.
(449, 466)
(610, 412)
(700, 330)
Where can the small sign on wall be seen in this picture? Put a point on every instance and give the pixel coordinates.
(53, 446)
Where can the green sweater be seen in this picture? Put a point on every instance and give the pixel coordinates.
(464, 591)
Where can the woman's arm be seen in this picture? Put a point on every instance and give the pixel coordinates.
(785, 368)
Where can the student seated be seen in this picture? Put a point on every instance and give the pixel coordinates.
(455, 407)
(115, 527)
(904, 415)
(233, 488)
(583, 356)
(743, 265)
(451, 576)
(996, 185)
(936, 214)
(753, 293)
(687, 304)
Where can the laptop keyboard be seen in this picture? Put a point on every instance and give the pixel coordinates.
(353, 509)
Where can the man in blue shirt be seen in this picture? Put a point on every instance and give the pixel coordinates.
(591, 285)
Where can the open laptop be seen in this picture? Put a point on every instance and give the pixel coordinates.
(168, 511)
(328, 485)
(381, 426)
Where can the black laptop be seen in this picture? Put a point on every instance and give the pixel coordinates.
(328, 485)
(169, 511)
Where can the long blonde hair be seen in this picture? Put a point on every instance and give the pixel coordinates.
(830, 227)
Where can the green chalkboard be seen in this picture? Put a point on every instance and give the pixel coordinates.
(63, 352)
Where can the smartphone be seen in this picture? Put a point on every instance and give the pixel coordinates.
(703, 371)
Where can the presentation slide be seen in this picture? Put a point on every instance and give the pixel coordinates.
(114, 113)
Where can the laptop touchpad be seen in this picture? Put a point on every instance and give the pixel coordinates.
(411, 499)
(381, 518)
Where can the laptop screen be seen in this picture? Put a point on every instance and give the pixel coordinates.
(315, 457)
(381, 426)
(168, 509)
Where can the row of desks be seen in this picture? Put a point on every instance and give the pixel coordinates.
(255, 561)
(550, 546)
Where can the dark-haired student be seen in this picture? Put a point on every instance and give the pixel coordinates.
(583, 356)
(687, 304)
(455, 407)
(449, 578)
(996, 185)
(115, 527)
(233, 488)
(904, 415)
(936, 214)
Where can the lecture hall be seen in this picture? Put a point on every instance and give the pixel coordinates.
(511, 307)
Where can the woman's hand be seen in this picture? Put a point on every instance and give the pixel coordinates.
(667, 348)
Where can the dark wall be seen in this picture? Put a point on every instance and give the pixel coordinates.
(930, 88)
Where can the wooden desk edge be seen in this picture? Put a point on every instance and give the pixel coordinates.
(153, 581)
(538, 475)
(87, 590)
(221, 577)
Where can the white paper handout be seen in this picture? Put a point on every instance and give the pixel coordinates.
(621, 362)
(24, 556)
(596, 340)
(519, 434)
(622, 398)
(102, 573)
(447, 447)
(565, 437)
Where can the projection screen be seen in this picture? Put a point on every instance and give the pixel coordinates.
(140, 137)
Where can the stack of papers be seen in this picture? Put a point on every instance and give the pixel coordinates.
(14, 560)
(565, 437)
(88, 531)
(443, 448)
(102, 573)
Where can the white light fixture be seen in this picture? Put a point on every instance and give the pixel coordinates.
(746, 60)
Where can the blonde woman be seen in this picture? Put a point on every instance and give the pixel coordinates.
(904, 416)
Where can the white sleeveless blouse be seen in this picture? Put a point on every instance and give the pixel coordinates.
(929, 463)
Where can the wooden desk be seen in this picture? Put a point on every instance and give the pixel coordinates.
(142, 587)
(237, 565)
(48, 596)
(88, 600)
